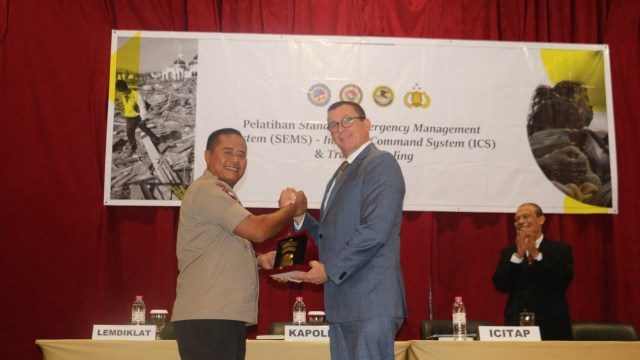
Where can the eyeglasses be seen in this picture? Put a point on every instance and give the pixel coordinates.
(346, 122)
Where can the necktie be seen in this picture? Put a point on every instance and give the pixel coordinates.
(330, 186)
(530, 259)
(341, 169)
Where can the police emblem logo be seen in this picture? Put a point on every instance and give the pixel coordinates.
(383, 96)
(417, 98)
(319, 94)
(351, 93)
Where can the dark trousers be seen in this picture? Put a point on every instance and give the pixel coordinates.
(132, 124)
(211, 339)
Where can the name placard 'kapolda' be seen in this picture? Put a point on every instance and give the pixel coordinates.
(306, 332)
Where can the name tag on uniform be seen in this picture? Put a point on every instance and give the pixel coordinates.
(509, 333)
(124, 332)
(306, 332)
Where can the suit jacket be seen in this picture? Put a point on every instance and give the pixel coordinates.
(358, 239)
(539, 288)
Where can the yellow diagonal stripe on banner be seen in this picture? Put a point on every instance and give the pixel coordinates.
(573, 206)
(585, 66)
(127, 57)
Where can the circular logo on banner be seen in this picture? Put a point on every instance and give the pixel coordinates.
(351, 93)
(383, 96)
(417, 98)
(319, 94)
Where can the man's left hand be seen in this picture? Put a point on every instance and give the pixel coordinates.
(266, 261)
(316, 275)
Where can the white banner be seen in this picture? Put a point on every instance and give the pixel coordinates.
(455, 115)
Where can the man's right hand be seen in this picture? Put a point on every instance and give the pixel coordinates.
(300, 203)
(290, 196)
(287, 197)
(521, 243)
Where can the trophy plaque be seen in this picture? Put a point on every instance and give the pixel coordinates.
(289, 260)
(291, 250)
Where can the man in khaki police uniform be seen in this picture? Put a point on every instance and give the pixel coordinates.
(217, 288)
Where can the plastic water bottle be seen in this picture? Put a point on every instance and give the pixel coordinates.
(138, 311)
(299, 312)
(459, 316)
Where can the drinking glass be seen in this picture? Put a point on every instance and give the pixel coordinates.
(159, 318)
(527, 318)
(316, 317)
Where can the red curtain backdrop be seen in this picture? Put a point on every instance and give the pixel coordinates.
(69, 261)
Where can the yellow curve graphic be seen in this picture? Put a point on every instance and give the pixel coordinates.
(585, 66)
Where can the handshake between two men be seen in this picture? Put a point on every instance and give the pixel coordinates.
(290, 196)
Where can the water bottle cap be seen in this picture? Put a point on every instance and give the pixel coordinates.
(138, 297)
(298, 298)
(458, 298)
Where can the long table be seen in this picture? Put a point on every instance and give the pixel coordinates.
(315, 350)
(525, 350)
(168, 350)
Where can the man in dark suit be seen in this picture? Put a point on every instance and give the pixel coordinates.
(358, 238)
(536, 272)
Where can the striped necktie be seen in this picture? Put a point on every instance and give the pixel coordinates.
(341, 169)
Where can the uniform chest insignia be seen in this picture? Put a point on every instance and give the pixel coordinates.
(226, 190)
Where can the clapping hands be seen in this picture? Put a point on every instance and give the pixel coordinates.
(526, 242)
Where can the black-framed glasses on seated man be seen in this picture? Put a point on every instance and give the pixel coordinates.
(346, 122)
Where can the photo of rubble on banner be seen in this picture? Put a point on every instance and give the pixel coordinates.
(153, 124)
